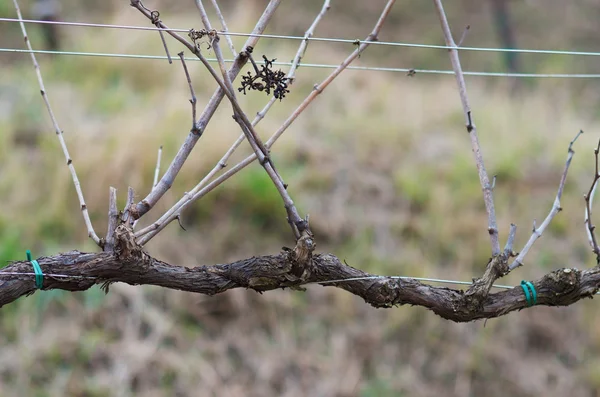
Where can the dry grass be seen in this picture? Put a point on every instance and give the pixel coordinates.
(382, 164)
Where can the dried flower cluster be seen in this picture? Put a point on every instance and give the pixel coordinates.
(265, 79)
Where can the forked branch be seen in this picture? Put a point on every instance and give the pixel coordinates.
(169, 176)
(146, 234)
(297, 224)
(174, 211)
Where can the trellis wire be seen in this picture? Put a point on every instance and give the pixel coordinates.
(46, 274)
(425, 279)
(432, 280)
(319, 65)
(315, 39)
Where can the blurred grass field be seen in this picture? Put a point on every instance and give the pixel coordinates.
(380, 161)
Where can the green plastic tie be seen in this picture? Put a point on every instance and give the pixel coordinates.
(530, 297)
(39, 276)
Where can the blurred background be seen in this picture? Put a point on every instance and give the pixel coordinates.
(380, 161)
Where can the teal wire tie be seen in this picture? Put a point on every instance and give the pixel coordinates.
(39, 276)
(531, 297)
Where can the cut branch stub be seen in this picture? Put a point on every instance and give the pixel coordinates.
(301, 257)
(125, 246)
(478, 292)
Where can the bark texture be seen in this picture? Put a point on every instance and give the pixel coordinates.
(291, 269)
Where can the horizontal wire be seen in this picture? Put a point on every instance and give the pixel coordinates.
(322, 39)
(93, 25)
(426, 279)
(46, 274)
(320, 66)
(433, 280)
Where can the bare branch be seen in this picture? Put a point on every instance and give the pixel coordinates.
(307, 35)
(291, 76)
(168, 178)
(318, 89)
(190, 198)
(224, 27)
(297, 224)
(589, 198)
(155, 21)
(556, 208)
(77, 271)
(113, 220)
(462, 88)
(162, 38)
(59, 134)
(222, 163)
(227, 87)
(193, 99)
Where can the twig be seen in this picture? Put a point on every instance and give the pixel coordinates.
(297, 224)
(556, 208)
(222, 163)
(193, 99)
(169, 176)
(589, 198)
(162, 37)
(464, 35)
(291, 76)
(307, 35)
(462, 88)
(318, 88)
(224, 27)
(157, 169)
(180, 224)
(227, 87)
(59, 134)
(152, 230)
(113, 220)
(155, 21)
